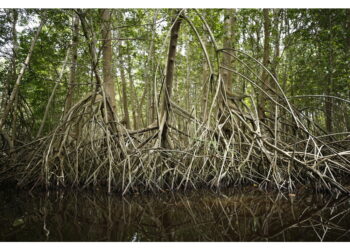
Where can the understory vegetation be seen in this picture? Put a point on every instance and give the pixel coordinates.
(167, 99)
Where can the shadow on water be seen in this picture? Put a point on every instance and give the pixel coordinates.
(194, 216)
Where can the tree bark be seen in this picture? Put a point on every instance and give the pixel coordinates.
(148, 92)
(47, 108)
(205, 91)
(124, 94)
(73, 67)
(277, 38)
(348, 70)
(136, 112)
(266, 62)
(226, 90)
(168, 86)
(107, 53)
(19, 77)
(14, 76)
(206, 82)
(329, 87)
(229, 38)
(92, 49)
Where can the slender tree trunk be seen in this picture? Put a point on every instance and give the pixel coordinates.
(47, 108)
(89, 36)
(328, 100)
(148, 92)
(15, 89)
(168, 86)
(124, 93)
(73, 67)
(205, 82)
(14, 43)
(205, 91)
(137, 113)
(229, 38)
(152, 91)
(14, 76)
(188, 89)
(277, 37)
(347, 55)
(107, 53)
(258, 39)
(329, 87)
(329, 108)
(266, 62)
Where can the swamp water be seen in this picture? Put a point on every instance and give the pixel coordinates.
(194, 216)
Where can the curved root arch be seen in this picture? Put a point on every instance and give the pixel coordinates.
(228, 145)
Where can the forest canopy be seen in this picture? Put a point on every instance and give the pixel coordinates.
(157, 99)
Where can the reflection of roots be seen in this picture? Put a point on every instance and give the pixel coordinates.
(195, 216)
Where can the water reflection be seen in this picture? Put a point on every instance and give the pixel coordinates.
(195, 216)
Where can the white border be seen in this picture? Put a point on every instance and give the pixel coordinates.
(174, 4)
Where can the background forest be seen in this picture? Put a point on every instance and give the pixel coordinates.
(155, 99)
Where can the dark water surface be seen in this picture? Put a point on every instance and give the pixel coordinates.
(194, 216)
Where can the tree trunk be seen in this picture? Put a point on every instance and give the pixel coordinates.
(206, 82)
(168, 86)
(347, 54)
(266, 62)
(329, 87)
(107, 53)
(229, 38)
(92, 49)
(148, 92)
(14, 76)
(205, 91)
(137, 113)
(19, 77)
(47, 108)
(73, 67)
(124, 93)
(277, 38)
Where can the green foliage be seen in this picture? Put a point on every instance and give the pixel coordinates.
(313, 55)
